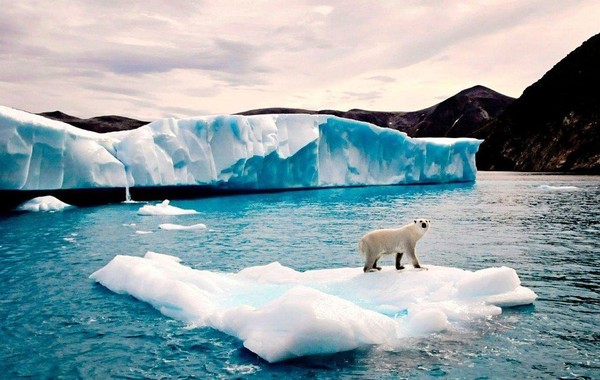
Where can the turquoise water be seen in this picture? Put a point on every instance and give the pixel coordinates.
(56, 322)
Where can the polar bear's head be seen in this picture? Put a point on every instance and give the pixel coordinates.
(422, 225)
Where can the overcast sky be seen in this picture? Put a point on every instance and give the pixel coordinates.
(151, 59)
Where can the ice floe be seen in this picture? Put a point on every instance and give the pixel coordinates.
(280, 313)
(164, 208)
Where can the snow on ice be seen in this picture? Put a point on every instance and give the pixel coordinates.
(280, 313)
(228, 151)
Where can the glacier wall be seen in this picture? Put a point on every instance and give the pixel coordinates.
(225, 151)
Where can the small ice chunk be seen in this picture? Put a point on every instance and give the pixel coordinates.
(164, 208)
(45, 203)
(488, 281)
(427, 321)
(558, 188)
(176, 227)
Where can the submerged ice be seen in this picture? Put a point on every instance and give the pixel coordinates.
(280, 313)
(240, 152)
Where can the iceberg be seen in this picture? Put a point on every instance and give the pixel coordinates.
(280, 313)
(259, 152)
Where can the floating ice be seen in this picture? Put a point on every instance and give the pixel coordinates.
(558, 188)
(173, 227)
(45, 203)
(240, 152)
(164, 208)
(280, 313)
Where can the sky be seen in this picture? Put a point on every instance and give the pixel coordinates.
(152, 59)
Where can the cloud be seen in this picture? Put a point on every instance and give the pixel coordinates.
(223, 56)
(115, 89)
(323, 10)
(154, 58)
(382, 78)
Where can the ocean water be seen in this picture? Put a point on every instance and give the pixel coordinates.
(57, 323)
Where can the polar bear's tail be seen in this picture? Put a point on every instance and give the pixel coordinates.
(361, 247)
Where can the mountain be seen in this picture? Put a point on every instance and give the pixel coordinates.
(553, 126)
(99, 124)
(462, 114)
(458, 116)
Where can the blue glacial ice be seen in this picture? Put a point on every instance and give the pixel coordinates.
(280, 313)
(226, 151)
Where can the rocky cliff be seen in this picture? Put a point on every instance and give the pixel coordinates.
(553, 126)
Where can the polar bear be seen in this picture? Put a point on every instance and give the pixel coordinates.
(389, 241)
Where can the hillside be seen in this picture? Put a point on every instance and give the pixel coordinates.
(99, 124)
(553, 126)
(458, 116)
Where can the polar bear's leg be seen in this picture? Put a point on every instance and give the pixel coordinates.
(375, 265)
(370, 262)
(398, 258)
(412, 255)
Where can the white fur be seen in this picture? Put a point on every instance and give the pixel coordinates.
(389, 241)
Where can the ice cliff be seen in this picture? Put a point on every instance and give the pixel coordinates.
(234, 152)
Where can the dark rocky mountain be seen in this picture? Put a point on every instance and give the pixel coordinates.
(463, 113)
(457, 116)
(99, 124)
(553, 126)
